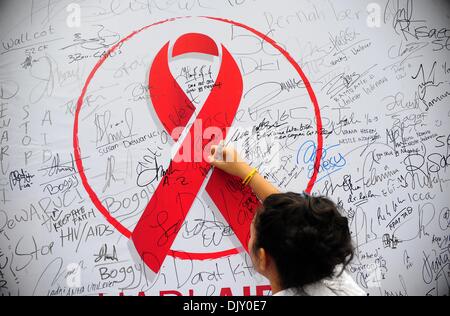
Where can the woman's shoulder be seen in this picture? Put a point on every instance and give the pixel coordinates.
(341, 284)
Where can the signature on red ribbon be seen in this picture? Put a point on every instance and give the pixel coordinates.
(168, 207)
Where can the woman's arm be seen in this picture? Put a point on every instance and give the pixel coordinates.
(233, 164)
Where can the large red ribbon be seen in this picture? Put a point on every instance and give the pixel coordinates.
(167, 209)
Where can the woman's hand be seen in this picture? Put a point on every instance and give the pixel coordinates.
(229, 161)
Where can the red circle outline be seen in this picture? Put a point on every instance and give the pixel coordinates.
(93, 196)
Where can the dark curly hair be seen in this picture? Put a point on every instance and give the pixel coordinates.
(306, 236)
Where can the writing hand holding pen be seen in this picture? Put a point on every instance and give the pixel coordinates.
(227, 159)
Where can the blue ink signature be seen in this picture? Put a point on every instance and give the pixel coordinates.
(329, 164)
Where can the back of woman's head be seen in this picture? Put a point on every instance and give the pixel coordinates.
(306, 236)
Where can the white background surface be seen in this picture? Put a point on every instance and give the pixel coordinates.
(384, 97)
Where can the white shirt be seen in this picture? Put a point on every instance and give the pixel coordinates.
(342, 285)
